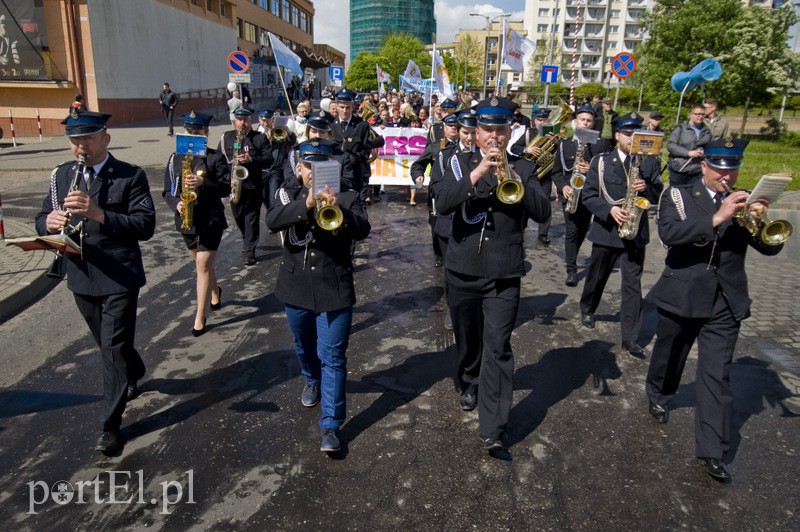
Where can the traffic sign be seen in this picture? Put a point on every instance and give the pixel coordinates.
(336, 73)
(549, 74)
(623, 65)
(238, 62)
(238, 78)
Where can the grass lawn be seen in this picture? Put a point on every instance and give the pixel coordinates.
(765, 157)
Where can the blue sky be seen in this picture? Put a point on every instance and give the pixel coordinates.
(451, 15)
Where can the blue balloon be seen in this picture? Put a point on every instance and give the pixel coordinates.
(706, 70)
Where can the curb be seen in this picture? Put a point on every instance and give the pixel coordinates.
(23, 276)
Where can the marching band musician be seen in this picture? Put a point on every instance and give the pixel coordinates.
(210, 179)
(521, 148)
(280, 149)
(113, 200)
(603, 194)
(484, 264)
(577, 223)
(318, 126)
(430, 155)
(254, 155)
(702, 297)
(353, 135)
(315, 281)
(436, 131)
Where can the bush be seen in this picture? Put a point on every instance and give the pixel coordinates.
(774, 129)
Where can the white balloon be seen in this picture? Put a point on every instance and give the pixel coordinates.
(231, 87)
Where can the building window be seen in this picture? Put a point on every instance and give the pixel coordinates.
(286, 16)
(612, 45)
(263, 4)
(544, 12)
(304, 21)
(222, 8)
(210, 5)
(276, 8)
(250, 32)
(613, 29)
(240, 28)
(194, 2)
(541, 28)
(615, 13)
(295, 16)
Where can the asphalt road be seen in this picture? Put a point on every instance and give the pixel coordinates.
(218, 438)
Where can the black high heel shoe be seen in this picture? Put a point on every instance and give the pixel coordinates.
(199, 332)
(218, 304)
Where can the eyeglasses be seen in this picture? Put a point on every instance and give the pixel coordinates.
(698, 114)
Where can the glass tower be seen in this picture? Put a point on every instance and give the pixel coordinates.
(372, 20)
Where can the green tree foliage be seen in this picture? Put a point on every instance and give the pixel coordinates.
(361, 74)
(749, 42)
(469, 55)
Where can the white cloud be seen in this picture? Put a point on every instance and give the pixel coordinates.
(332, 20)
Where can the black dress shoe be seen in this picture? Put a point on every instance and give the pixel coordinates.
(572, 279)
(633, 348)
(109, 441)
(543, 240)
(199, 332)
(716, 468)
(218, 304)
(492, 444)
(131, 391)
(249, 261)
(660, 413)
(468, 401)
(587, 320)
(438, 263)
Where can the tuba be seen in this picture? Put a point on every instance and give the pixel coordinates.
(368, 109)
(238, 172)
(509, 189)
(771, 232)
(545, 160)
(634, 204)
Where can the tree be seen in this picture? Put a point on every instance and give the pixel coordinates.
(470, 54)
(361, 74)
(539, 58)
(395, 52)
(760, 58)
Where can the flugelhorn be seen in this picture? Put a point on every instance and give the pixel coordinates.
(509, 189)
(328, 216)
(758, 224)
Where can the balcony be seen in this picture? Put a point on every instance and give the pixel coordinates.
(592, 46)
(634, 15)
(590, 62)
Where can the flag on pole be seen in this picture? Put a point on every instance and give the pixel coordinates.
(440, 75)
(412, 71)
(516, 48)
(383, 76)
(285, 57)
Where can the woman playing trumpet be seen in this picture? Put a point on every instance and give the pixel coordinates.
(209, 179)
(315, 282)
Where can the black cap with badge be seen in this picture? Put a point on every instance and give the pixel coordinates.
(80, 123)
(725, 153)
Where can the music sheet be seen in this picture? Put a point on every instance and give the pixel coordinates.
(770, 187)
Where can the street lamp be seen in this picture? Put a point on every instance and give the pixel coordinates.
(489, 22)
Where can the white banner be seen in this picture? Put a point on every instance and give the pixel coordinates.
(403, 146)
(516, 48)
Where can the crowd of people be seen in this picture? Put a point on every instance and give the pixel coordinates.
(491, 170)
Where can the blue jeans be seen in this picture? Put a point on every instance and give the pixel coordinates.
(320, 343)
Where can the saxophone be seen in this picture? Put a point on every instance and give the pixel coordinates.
(238, 172)
(188, 194)
(634, 204)
(576, 181)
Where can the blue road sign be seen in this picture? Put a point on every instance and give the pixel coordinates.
(336, 73)
(549, 74)
(623, 65)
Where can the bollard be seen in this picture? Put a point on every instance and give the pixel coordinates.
(39, 123)
(13, 134)
(2, 229)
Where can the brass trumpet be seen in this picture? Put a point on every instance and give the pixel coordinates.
(758, 224)
(328, 216)
(509, 189)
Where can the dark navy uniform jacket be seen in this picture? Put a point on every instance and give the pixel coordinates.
(112, 259)
(701, 257)
(289, 167)
(603, 230)
(502, 252)
(565, 160)
(209, 212)
(257, 146)
(316, 270)
(355, 141)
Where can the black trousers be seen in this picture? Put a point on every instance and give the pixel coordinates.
(247, 214)
(631, 264)
(168, 114)
(112, 322)
(483, 313)
(547, 187)
(576, 226)
(716, 341)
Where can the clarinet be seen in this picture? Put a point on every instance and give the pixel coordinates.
(56, 270)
